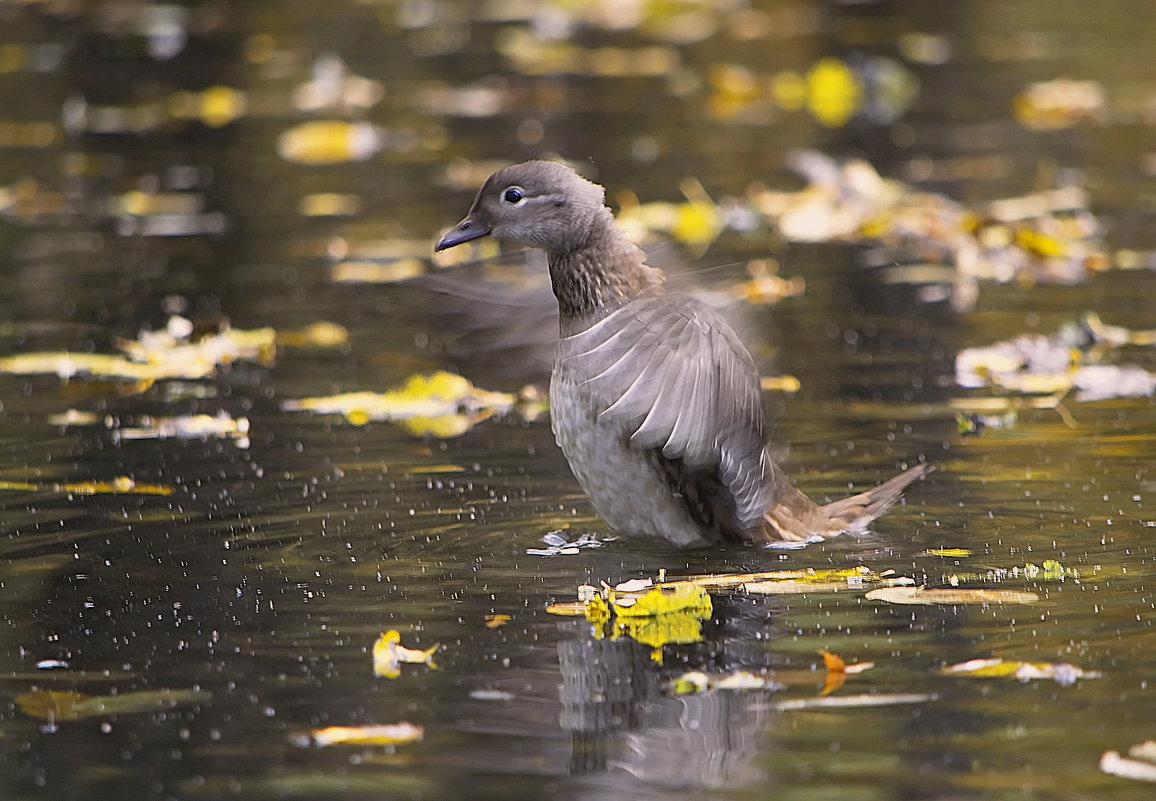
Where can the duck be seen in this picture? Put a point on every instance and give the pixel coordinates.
(654, 399)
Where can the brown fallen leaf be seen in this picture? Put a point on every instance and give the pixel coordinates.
(838, 671)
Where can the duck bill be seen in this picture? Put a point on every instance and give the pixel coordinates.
(467, 230)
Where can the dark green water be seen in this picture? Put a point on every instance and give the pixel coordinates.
(263, 580)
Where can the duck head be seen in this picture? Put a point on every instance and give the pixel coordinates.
(542, 204)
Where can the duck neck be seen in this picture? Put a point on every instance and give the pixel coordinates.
(600, 274)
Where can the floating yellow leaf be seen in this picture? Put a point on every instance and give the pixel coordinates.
(948, 552)
(1061, 103)
(568, 609)
(663, 600)
(766, 286)
(780, 383)
(652, 615)
(196, 426)
(1060, 672)
(435, 404)
(329, 204)
(322, 334)
(919, 595)
(56, 705)
(119, 485)
(154, 355)
(1048, 570)
(833, 92)
(363, 271)
(330, 142)
(74, 417)
(382, 734)
(497, 621)
(389, 654)
(65, 365)
(216, 106)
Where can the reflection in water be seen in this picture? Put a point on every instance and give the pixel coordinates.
(623, 720)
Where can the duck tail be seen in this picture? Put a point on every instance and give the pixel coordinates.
(856, 512)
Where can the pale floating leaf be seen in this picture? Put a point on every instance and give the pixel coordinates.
(854, 701)
(1059, 103)
(919, 595)
(951, 553)
(197, 426)
(1138, 769)
(1059, 672)
(698, 682)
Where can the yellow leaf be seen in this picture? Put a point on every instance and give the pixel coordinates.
(780, 383)
(330, 142)
(119, 485)
(384, 734)
(322, 334)
(1061, 672)
(663, 601)
(570, 609)
(833, 92)
(389, 654)
(441, 404)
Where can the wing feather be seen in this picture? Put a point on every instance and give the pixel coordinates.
(673, 375)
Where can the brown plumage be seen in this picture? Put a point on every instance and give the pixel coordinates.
(653, 399)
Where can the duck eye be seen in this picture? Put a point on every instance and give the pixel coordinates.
(514, 195)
